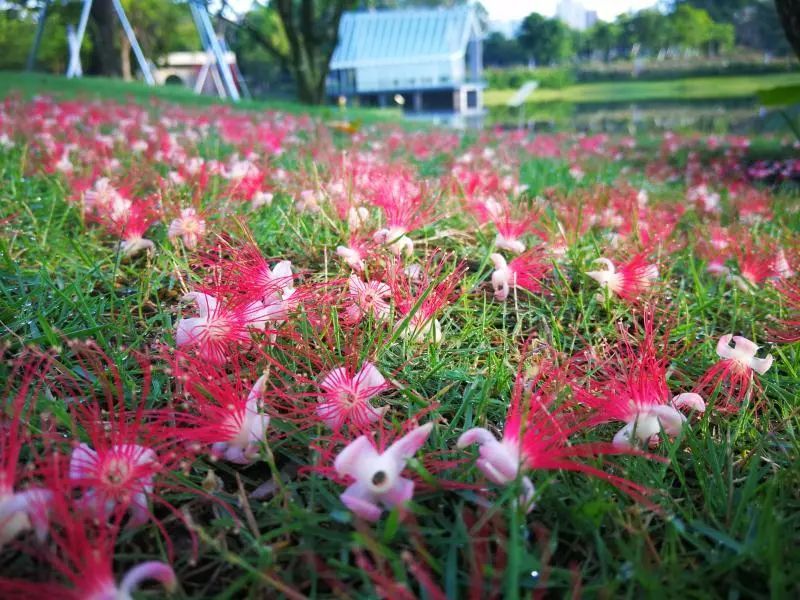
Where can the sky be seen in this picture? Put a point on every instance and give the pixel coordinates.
(506, 10)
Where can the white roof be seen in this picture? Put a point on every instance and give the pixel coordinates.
(391, 37)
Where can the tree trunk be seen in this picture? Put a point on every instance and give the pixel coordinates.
(105, 57)
(125, 58)
(789, 12)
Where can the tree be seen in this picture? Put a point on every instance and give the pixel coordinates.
(722, 38)
(102, 29)
(17, 30)
(499, 51)
(311, 28)
(548, 41)
(789, 12)
(693, 27)
(603, 38)
(161, 26)
(754, 21)
(721, 11)
(262, 66)
(650, 29)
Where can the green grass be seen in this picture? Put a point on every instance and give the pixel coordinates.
(730, 520)
(698, 88)
(30, 84)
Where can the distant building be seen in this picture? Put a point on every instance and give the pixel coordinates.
(194, 70)
(427, 60)
(575, 15)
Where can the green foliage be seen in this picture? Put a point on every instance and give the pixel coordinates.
(780, 96)
(499, 51)
(162, 26)
(730, 516)
(603, 38)
(547, 41)
(554, 78)
(261, 66)
(692, 27)
(16, 38)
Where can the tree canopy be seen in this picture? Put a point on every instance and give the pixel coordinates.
(546, 41)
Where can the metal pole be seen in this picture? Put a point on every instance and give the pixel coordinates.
(222, 65)
(74, 69)
(123, 19)
(37, 40)
(239, 77)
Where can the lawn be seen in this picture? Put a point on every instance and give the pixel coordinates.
(696, 88)
(256, 354)
(30, 84)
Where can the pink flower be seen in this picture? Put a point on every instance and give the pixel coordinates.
(630, 385)
(23, 511)
(189, 226)
(525, 272)
(367, 299)
(646, 421)
(250, 425)
(20, 510)
(420, 295)
(537, 436)
(219, 325)
(377, 475)
(704, 198)
(396, 239)
(743, 354)
(355, 253)
(734, 376)
(120, 473)
(345, 397)
(499, 460)
(269, 292)
(787, 330)
(104, 198)
(222, 411)
(640, 399)
(352, 256)
(510, 231)
(630, 281)
(279, 291)
(82, 553)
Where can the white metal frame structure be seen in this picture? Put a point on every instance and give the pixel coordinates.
(214, 51)
(216, 64)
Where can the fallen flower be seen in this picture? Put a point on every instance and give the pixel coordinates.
(345, 397)
(734, 375)
(189, 227)
(629, 281)
(377, 475)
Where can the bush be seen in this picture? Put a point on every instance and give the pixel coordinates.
(554, 78)
(650, 69)
(673, 68)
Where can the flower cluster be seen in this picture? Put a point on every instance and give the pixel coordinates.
(315, 283)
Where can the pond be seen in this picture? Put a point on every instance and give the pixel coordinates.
(740, 116)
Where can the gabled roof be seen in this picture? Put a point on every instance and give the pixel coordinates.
(390, 37)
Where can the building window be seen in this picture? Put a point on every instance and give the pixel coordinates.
(472, 99)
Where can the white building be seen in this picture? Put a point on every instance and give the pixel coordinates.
(427, 60)
(575, 15)
(184, 68)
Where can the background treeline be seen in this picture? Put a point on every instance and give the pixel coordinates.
(685, 29)
(280, 51)
(558, 77)
(161, 26)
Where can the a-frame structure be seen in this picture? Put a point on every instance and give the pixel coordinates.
(208, 37)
